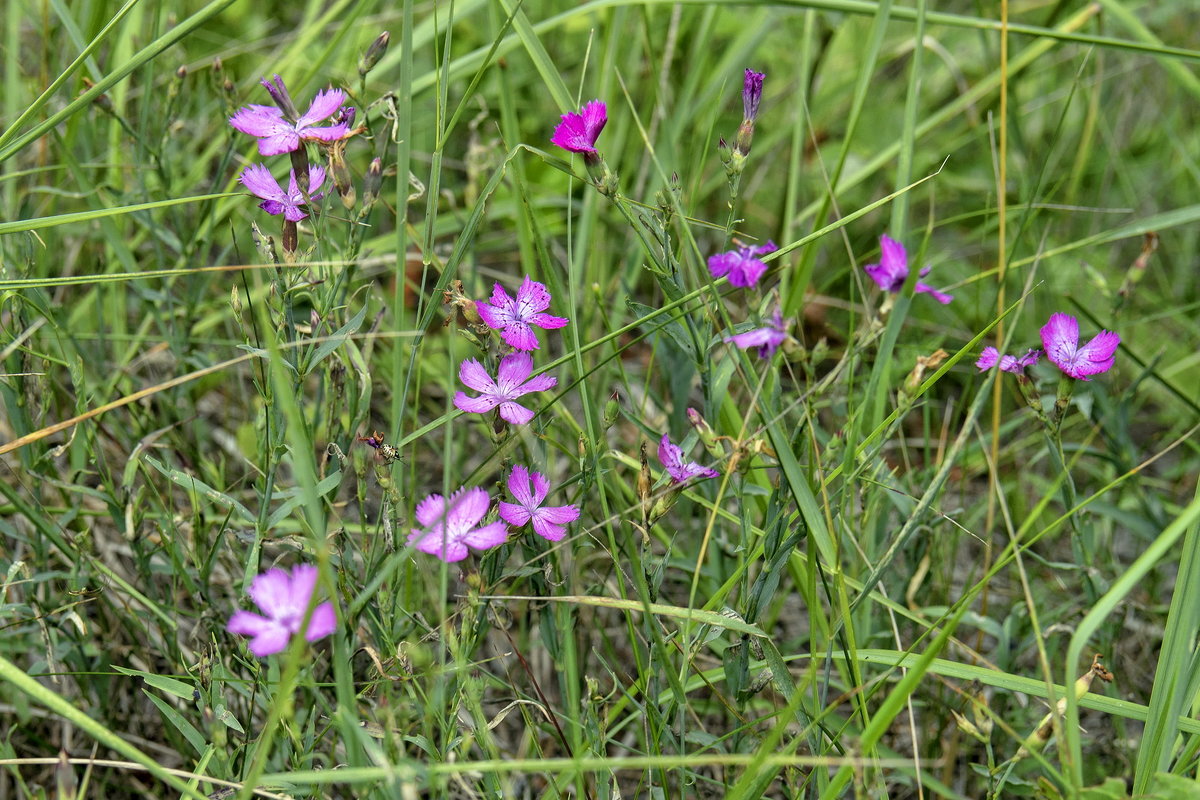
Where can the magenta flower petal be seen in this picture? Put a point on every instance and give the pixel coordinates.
(515, 413)
(551, 523)
(451, 526)
(1029, 359)
(680, 471)
(324, 105)
(991, 357)
(520, 485)
(514, 514)
(940, 296)
(475, 405)
(752, 88)
(578, 132)
(283, 598)
(258, 179)
(430, 510)
(514, 369)
(258, 120)
(539, 383)
(987, 359)
(247, 623)
(491, 535)
(322, 623)
(473, 374)
(1060, 337)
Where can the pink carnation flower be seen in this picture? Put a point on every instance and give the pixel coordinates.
(259, 180)
(277, 135)
(892, 270)
(1060, 337)
(578, 132)
(767, 339)
(741, 265)
(450, 526)
(681, 471)
(512, 381)
(513, 318)
(549, 522)
(283, 598)
(991, 357)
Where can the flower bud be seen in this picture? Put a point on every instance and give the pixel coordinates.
(751, 97)
(644, 483)
(291, 239)
(374, 52)
(708, 437)
(279, 94)
(612, 409)
(371, 182)
(342, 180)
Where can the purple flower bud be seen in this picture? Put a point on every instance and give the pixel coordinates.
(375, 51)
(279, 94)
(752, 94)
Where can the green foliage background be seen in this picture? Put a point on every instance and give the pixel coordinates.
(879, 554)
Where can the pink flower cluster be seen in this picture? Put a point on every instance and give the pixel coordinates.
(284, 130)
(452, 527)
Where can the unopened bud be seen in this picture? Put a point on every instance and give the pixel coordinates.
(820, 351)
(374, 52)
(662, 506)
(235, 300)
(342, 180)
(291, 239)
(708, 437)
(979, 707)
(282, 98)
(751, 97)
(644, 483)
(612, 410)
(966, 726)
(371, 182)
(456, 296)
(725, 151)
